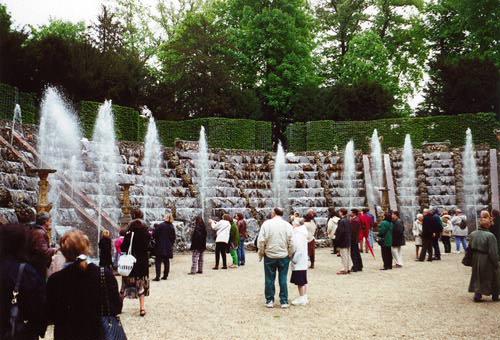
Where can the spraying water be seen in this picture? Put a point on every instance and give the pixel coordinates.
(152, 164)
(104, 153)
(349, 174)
(408, 186)
(17, 118)
(203, 169)
(59, 145)
(279, 185)
(377, 166)
(470, 178)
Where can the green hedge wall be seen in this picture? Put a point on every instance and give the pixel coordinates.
(27, 101)
(263, 135)
(296, 135)
(128, 124)
(327, 135)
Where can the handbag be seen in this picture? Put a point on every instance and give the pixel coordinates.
(380, 241)
(111, 327)
(126, 261)
(16, 323)
(467, 260)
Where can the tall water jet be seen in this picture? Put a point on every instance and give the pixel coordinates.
(17, 118)
(279, 184)
(407, 189)
(104, 153)
(377, 166)
(59, 145)
(349, 174)
(153, 157)
(203, 169)
(471, 180)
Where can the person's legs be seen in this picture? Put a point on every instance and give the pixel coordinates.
(370, 237)
(157, 267)
(223, 254)
(234, 256)
(344, 258)
(200, 261)
(464, 242)
(166, 262)
(435, 245)
(447, 244)
(141, 305)
(217, 254)
(387, 257)
(357, 262)
(241, 251)
(283, 265)
(194, 261)
(270, 266)
(311, 251)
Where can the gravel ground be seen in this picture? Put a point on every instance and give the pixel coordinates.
(419, 301)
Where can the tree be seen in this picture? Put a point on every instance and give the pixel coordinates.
(468, 85)
(107, 33)
(59, 28)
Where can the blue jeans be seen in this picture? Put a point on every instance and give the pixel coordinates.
(458, 240)
(370, 237)
(241, 251)
(270, 267)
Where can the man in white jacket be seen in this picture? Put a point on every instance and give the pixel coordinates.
(276, 248)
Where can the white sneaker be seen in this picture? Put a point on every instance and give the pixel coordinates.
(285, 305)
(300, 301)
(269, 304)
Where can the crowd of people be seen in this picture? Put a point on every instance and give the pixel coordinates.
(40, 280)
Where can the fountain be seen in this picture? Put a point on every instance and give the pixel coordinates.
(407, 188)
(59, 145)
(153, 157)
(279, 185)
(16, 118)
(203, 170)
(349, 174)
(104, 153)
(377, 167)
(471, 180)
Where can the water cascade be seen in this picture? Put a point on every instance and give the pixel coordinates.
(17, 118)
(349, 174)
(152, 166)
(104, 153)
(203, 168)
(377, 167)
(471, 180)
(59, 145)
(279, 185)
(407, 188)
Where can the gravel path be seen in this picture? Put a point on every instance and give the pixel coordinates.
(419, 301)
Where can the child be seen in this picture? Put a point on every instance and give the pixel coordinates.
(299, 262)
(105, 250)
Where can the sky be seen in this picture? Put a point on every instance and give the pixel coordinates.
(38, 12)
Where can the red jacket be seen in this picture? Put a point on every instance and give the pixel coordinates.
(40, 251)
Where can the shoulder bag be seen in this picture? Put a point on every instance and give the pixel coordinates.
(126, 262)
(17, 328)
(111, 327)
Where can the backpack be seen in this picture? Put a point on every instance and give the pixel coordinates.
(462, 224)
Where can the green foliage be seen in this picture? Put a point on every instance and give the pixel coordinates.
(263, 135)
(296, 137)
(27, 102)
(128, 124)
(324, 135)
(59, 28)
(231, 133)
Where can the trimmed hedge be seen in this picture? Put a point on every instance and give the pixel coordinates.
(296, 135)
(128, 125)
(263, 135)
(326, 135)
(27, 101)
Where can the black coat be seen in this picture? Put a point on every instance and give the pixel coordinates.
(164, 235)
(74, 299)
(398, 233)
(431, 225)
(343, 233)
(355, 227)
(31, 298)
(105, 252)
(140, 246)
(199, 238)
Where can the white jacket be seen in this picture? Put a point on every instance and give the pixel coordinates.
(455, 221)
(223, 229)
(333, 223)
(311, 230)
(299, 260)
(275, 239)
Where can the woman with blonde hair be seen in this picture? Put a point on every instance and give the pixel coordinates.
(75, 295)
(223, 229)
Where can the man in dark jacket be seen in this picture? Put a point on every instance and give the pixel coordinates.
(164, 236)
(40, 252)
(343, 240)
(437, 229)
(398, 239)
(357, 263)
(429, 227)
